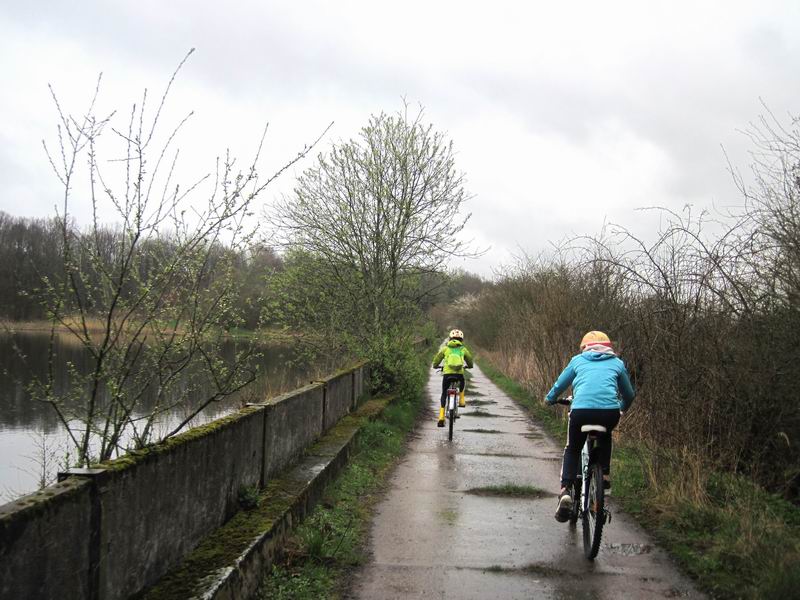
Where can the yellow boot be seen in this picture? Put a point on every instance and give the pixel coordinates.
(461, 400)
(440, 422)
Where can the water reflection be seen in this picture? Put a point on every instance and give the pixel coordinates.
(23, 359)
(30, 428)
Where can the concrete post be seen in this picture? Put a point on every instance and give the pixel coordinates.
(98, 479)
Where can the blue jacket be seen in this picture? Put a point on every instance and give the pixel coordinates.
(595, 379)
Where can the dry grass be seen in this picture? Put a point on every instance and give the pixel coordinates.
(740, 541)
(521, 366)
(92, 324)
(690, 483)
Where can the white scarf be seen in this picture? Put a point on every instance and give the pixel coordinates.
(600, 349)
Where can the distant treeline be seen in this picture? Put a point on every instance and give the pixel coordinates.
(32, 258)
(30, 249)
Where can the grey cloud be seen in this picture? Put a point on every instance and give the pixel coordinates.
(239, 48)
(686, 110)
(684, 102)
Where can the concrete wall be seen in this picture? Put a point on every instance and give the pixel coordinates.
(155, 513)
(361, 383)
(294, 421)
(112, 531)
(45, 543)
(338, 398)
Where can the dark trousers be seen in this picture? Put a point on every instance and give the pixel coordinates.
(446, 384)
(576, 438)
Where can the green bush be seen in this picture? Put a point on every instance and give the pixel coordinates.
(248, 497)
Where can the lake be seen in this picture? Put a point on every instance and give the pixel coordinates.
(33, 442)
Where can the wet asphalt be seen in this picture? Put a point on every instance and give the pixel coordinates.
(433, 538)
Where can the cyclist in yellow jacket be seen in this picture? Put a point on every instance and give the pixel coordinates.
(454, 356)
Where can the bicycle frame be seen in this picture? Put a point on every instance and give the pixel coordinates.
(580, 492)
(585, 463)
(452, 398)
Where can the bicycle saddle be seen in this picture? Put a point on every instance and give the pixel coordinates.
(597, 428)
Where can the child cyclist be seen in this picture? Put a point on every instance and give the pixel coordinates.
(454, 354)
(598, 378)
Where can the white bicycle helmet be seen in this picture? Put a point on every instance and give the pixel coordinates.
(456, 334)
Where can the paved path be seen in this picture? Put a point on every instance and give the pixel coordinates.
(430, 538)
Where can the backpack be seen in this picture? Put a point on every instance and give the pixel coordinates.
(454, 358)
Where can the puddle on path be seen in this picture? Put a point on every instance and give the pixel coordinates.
(501, 454)
(479, 413)
(628, 549)
(509, 490)
(540, 569)
(449, 516)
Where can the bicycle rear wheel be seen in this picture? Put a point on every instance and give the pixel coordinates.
(452, 408)
(594, 512)
(451, 417)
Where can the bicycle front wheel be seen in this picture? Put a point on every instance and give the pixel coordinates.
(575, 492)
(594, 512)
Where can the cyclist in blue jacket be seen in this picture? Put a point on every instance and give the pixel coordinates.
(598, 378)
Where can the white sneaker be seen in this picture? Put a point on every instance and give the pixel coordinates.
(564, 508)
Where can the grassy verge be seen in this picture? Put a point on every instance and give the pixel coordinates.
(331, 541)
(737, 540)
(549, 417)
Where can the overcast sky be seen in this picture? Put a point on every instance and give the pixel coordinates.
(564, 115)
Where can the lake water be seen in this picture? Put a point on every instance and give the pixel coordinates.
(33, 442)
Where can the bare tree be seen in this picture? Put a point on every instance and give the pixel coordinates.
(150, 302)
(372, 218)
(774, 204)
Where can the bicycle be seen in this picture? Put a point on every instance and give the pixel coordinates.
(451, 406)
(587, 491)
